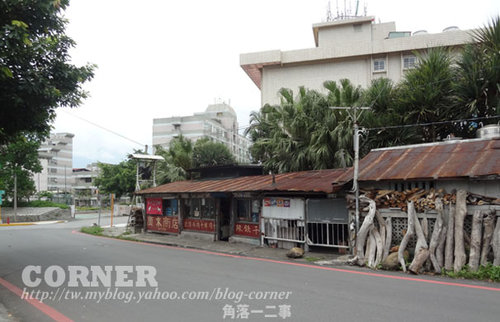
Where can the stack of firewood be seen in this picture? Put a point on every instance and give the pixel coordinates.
(422, 199)
(444, 248)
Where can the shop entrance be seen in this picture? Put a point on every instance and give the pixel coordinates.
(224, 219)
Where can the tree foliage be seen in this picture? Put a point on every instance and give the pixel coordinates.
(119, 178)
(303, 133)
(177, 160)
(35, 74)
(207, 153)
(19, 157)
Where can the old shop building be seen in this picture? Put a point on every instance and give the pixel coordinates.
(299, 208)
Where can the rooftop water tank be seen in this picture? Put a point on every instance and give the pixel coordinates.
(490, 131)
(420, 32)
(451, 28)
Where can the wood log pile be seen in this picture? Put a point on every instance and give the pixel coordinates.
(448, 246)
(421, 198)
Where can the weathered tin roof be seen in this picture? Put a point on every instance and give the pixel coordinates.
(442, 160)
(304, 181)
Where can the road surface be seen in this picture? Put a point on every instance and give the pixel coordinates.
(191, 285)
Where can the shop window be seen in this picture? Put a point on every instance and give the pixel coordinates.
(170, 207)
(208, 208)
(200, 208)
(248, 210)
(195, 208)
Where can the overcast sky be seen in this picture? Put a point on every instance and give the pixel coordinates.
(160, 58)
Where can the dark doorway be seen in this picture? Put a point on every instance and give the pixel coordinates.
(224, 218)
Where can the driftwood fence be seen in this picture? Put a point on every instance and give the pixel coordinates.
(444, 244)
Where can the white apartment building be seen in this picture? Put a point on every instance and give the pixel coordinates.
(357, 49)
(56, 156)
(84, 188)
(218, 123)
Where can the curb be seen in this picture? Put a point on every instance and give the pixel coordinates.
(33, 223)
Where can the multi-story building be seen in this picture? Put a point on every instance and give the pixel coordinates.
(56, 156)
(84, 189)
(218, 123)
(357, 49)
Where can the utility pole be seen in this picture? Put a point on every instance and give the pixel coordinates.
(15, 195)
(357, 132)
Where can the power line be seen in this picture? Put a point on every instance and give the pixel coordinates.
(105, 129)
(432, 123)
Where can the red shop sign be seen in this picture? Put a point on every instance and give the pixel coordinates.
(154, 206)
(249, 230)
(163, 224)
(199, 224)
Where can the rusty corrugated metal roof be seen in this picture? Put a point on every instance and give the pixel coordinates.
(304, 181)
(452, 159)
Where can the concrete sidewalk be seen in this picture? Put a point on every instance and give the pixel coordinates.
(320, 256)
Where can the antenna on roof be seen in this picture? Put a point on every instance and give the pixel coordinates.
(329, 16)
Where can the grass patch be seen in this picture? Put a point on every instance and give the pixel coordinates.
(38, 204)
(487, 273)
(125, 237)
(93, 230)
(313, 259)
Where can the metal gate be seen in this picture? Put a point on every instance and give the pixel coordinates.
(327, 223)
(288, 230)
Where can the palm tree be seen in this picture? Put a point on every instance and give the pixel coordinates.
(426, 94)
(178, 159)
(477, 86)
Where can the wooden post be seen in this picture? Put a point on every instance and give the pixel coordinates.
(448, 252)
(421, 249)
(495, 244)
(382, 232)
(363, 232)
(488, 227)
(438, 227)
(475, 240)
(388, 238)
(409, 233)
(112, 208)
(461, 212)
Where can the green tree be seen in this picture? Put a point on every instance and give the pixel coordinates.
(19, 160)
(35, 74)
(477, 87)
(426, 95)
(384, 113)
(119, 178)
(207, 153)
(303, 132)
(177, 160)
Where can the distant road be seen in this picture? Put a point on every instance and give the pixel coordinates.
(298, 292)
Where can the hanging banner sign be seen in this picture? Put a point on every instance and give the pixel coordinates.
(154, 206)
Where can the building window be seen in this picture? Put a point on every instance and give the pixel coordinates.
(202, 208)
(248, 210)
(379, 65)
(409, 62)
(208, 208)
(170, 207)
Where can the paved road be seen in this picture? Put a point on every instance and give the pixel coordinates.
(307, 293)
